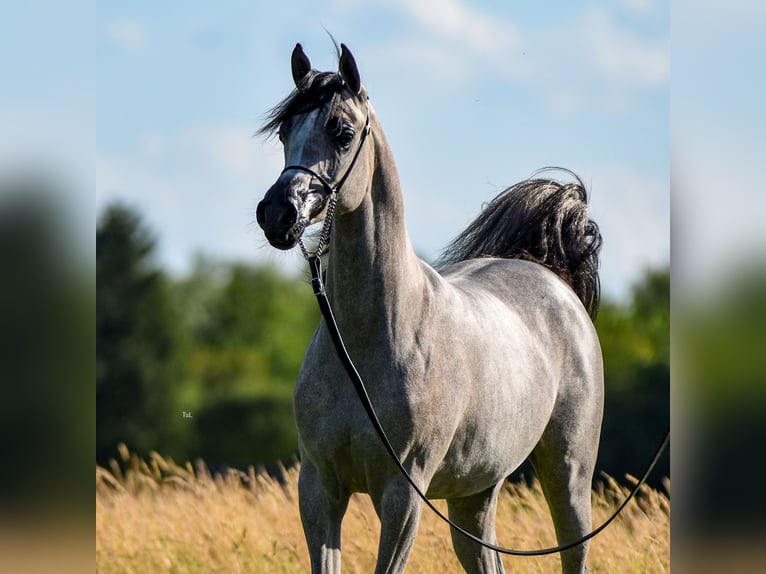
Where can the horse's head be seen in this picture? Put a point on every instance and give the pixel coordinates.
(323, 125)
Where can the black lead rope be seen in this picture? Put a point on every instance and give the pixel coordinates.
(324, 305)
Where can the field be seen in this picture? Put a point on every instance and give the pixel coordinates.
(158, 517)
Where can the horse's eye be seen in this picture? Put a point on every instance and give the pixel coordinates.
(341, 132)
(345, 137)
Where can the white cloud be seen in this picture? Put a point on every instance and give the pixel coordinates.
(452, 40)
(479, 32)
(593, 58)
(128, 35)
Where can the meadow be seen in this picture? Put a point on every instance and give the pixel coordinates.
(157, 516)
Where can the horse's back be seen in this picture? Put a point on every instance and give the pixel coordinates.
(534, 296)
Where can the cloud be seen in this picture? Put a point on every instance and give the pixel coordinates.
(449, 40)
(593, 57)
(457, 21)
(127, 35)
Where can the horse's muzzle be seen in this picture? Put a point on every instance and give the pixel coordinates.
(280, 220)
(289, 206)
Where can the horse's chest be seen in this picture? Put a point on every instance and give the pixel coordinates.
(333, 425)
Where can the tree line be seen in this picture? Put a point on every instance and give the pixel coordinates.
(204, 365)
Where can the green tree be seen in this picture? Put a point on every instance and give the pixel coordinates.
(253, 331)
(46, 314)
(250, 326)
(635, 340)
(137, 339)
(722, 389)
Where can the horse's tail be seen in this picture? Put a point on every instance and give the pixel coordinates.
(540, 220)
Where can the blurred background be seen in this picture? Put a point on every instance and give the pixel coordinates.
(200, 327)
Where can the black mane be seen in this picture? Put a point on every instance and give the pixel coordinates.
(314, 91)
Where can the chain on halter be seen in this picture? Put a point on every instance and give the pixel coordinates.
(324, 236)
(332, 191)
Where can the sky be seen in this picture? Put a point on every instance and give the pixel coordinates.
(718, 149)
(473, 96)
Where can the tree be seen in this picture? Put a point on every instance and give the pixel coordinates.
(254, 330)
(635, 341)
(250, 327)
(722, 389)
(137, 338)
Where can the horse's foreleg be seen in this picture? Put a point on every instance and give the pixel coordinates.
(476, 514)
(399, 510)
(322, 511)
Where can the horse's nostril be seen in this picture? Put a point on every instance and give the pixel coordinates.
(277, 215)
(289, 215)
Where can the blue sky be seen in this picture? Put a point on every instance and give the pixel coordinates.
(473, 97)
(718, 145)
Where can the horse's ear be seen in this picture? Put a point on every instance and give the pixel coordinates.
(349, 71)
(300, 64)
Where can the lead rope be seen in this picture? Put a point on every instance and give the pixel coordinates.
(315, 264)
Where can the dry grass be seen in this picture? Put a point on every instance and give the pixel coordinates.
(159, 517)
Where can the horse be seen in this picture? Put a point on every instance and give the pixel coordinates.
(473, 365)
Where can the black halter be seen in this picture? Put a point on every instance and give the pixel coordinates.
(332, 191)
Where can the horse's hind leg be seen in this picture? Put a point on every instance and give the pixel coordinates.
(476, 514)
(322, 511)
(564, 461)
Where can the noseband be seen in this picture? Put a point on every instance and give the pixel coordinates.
(332, 192)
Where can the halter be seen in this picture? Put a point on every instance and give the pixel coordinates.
(332, 192)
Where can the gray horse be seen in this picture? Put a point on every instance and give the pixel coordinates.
(472, 368)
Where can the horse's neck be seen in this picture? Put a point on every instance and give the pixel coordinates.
(373, 272)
